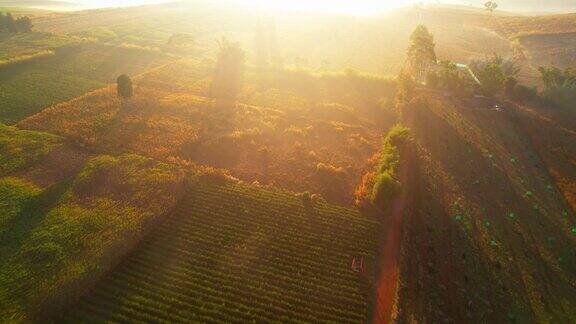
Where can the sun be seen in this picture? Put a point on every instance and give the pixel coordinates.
(347, 7)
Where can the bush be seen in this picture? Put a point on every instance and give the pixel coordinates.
(216, 175)
(385, 189)
(306, 197)
(397, 135)
(364, 190)
(329, 172)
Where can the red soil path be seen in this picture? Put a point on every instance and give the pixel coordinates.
(389, 264)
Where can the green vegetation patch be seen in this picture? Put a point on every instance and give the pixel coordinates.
(15, 45)
(386, 185)
(19, 148)
(72, 71)
(14, 193)
(60, 239)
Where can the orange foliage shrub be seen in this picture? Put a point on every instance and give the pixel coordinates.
(215, 174)
(329, 172)
(364, 190)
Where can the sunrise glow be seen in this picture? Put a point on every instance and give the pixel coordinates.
(356, 8)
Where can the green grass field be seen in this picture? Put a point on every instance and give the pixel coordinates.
(27, 88)
(19, 148)
(55, 240)
(14, 45)
(237, 253)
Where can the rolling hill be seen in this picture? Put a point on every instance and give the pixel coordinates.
(302, 132)
(67, 217)
(489, 237)
(176, 206)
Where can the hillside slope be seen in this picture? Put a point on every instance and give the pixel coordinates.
(236, 253)
(553, 134)
(490, 237)
(302, 131)
(312, 40)
(67, 217)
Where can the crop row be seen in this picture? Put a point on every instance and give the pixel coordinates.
(236, 254)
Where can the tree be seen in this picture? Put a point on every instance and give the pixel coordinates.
(421, 53)
(491, 6)
(494, 71)
(560, 87)
(554, 77)
(24, 24)
(228, 76)
(406, 86)
(8, 23)
(124, 87)
(450, 77)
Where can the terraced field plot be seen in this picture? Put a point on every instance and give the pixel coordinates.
(490, 239)
(234, 253)
(14, 45)
(278, 135)
(29, 87)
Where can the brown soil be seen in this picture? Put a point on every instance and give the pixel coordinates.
(486, 241)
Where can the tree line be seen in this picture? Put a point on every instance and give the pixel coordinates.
(15, 25)
(491, 76)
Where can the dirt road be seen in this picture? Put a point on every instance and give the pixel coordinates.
(387, 285)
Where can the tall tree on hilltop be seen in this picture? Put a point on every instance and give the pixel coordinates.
(421, 53)
(491, 6)
(228, 76)
(124, 88)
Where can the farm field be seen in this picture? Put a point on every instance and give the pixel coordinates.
(546, 40)
(372, 44)
(17, 45)
(28, 87)
(552, 132)
(237, 253)
(490, 237)
(303, 132)
(288, 161)
(63, 222)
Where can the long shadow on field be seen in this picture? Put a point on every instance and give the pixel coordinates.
(33, 213)
(484, 251)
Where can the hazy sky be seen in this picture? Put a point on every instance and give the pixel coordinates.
(360, 6)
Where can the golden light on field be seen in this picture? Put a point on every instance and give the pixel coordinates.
(347, 7)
